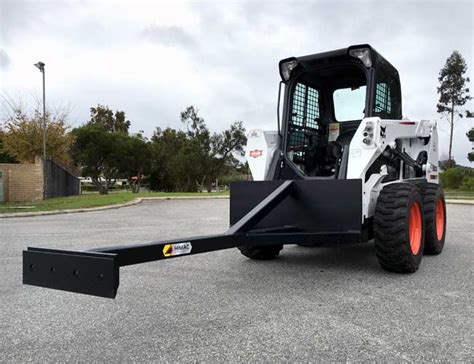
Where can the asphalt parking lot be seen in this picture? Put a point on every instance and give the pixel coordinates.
(308, 305)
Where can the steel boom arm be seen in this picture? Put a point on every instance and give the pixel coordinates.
(96, 272)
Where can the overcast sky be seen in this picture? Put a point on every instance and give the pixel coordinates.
(154, 59)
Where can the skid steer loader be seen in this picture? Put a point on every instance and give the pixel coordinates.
(343, 167)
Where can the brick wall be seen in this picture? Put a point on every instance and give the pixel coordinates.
(22, 182)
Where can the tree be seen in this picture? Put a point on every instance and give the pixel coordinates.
(199, 146)
(5, 157)
(136, 160)
(453, 93)
(101, 146)
(470, 136)
(100, 153)
(176, 161)
(113, 122)
(224, 147)
(23, 136)
(216, 151)
(193, 159)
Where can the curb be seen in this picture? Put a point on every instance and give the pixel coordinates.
(460, 202)
(108, 207)
(141, 199)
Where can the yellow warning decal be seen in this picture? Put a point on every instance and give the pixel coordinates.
(167, 250)
(170, 250)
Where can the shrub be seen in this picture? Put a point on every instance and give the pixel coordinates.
(467, 184)
(452, 178)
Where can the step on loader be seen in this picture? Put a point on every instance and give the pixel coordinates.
(343, 167)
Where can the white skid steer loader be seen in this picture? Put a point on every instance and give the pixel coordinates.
(342, 120)
(343, 167)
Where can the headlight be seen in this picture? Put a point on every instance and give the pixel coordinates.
(286, 67)
(363, 54)
(368, 133)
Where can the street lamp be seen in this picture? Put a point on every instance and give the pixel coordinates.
(40, 65)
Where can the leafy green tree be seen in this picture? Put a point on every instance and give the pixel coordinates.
(136, 161)
(113, 122)
(5, 157)
(470, 136)
(224, 147)
(175, 161)
(100, 153)
(162, 142)
(22, 134)
(103, 148)
(453, 93)
(193, 159)
(24, 139)
(215, 152)
(199, 143)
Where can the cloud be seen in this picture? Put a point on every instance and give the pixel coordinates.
(168, 35)
(4, 59)
(21, 19)
(155, 59)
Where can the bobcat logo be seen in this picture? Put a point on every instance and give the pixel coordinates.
(256, 153)
(382, 131)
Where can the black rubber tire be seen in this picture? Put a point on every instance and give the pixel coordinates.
(261, 252)
(391, 228)
(431, 193)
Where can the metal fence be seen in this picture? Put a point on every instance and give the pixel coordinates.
(59, 182)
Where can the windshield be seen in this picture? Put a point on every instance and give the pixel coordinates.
(349, 103)
(325, 107)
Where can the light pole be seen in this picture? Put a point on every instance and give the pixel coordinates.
(40, 65)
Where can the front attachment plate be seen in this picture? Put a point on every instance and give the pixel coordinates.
(314, 205)
(90, 273)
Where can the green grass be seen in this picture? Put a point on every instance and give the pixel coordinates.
(91, 200)
(96, 200)
(459, 195)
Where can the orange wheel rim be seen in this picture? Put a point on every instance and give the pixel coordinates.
(439, 219)
(415, 228)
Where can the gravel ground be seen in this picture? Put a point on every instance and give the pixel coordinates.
(309, 305)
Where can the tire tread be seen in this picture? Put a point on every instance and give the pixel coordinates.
(390, 228)
(261, 252)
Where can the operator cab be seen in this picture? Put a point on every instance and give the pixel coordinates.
(326, 97)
